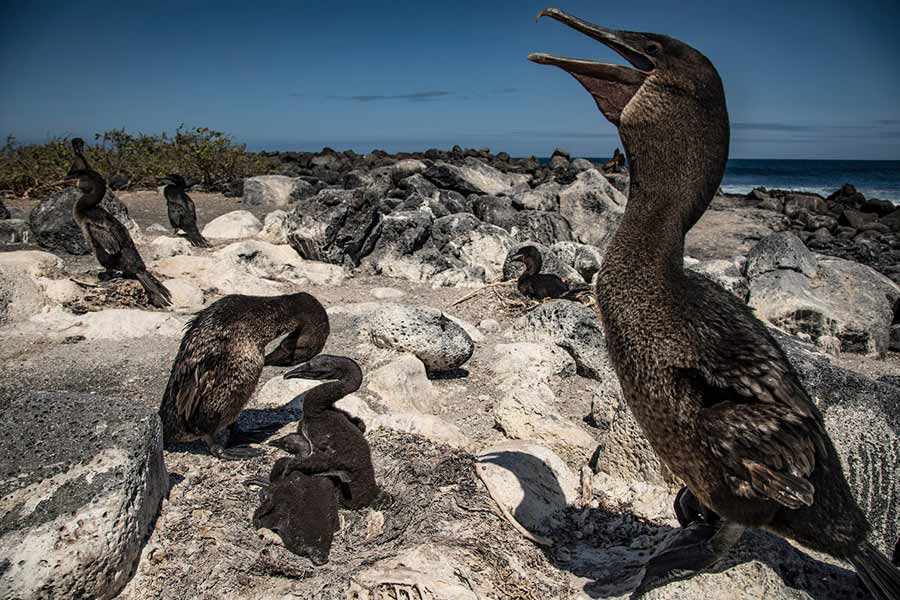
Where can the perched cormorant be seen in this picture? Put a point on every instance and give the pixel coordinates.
(79, 163)
(221, 357)
(540, 286)
(710, 387)
(182, 213)
(328, 440)
(301, 509)
(112, 244)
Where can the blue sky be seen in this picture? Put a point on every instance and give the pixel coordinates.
(804, 80)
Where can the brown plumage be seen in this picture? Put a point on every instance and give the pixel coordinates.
(222, 355)
(181, 210)
(329, 441)
(112, 244)
(708, 384)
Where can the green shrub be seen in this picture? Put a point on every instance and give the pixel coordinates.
(199, 153)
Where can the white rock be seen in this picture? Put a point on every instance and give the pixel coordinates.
(403, 386)
(185, 294)
(269, 190)
(355, 406)
(111, 323)
(60, 291)
(427, 567)
(535, 358)
(281, 262)
(235, 225)
(279, 391)
(528, 481)
(273, 228)
(489, 325)
(21, 293)
(165, 246)
(429, 426)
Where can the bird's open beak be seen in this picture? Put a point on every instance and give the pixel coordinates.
(68, 180)
(612, 86)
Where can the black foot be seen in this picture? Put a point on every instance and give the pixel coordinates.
(107, 276)
(254, 435)
(696, 548)
(688, 510)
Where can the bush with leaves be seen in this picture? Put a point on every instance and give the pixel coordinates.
(199, 153)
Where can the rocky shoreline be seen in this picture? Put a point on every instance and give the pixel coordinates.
(497, 425)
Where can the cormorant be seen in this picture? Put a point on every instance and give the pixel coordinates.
(182, 213)
(112, 244)
(221, 357)
(79, 162)
(328, 440)
(301, 509)
(540, 286)
(708, 384)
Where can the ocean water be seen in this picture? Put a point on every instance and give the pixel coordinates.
(874, 178)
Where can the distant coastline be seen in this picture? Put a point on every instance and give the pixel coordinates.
(874, 178)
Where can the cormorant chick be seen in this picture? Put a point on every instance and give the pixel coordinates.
(710, 387)
(221, 357)
(182, 213)
(113, 246)
(301, 509)
(328, 440)
(540, 286)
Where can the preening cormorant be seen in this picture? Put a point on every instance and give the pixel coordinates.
(112, 244)
(540, 286)
(182, 213)
(221, 357)
(708, 384)
(329, 442)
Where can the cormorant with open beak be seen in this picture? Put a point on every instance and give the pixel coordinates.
(708, 384)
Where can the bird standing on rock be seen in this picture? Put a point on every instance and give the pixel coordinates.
(221, 357)
(181, 209)
(710, 387)
(540, 286)
(113, 246)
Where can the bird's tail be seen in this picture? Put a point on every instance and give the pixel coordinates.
(881, 578)
(159, 295)
(579, 293)
(196, 239)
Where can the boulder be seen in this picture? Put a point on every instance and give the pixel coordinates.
(270, 262)
(780, 251)
(528, 481)
(581, 164)
(593, 207)
(855, 218)
(727, 274)
(77, 505)
(21, 276)
(431, 427)
(467, 242)
(474, 177)
(437, 341)
(403, 233)
(417, 184)
(269, 190)
(542, 360)
(794, 203)
(54, 227)
(273, 230)
(543, 197)
(166, 247)
(185, 294)
(108, 324)
(402, 385)
(402, 169)
(428, 567)
(237, 224)
(526, 412)
(14, 231)
(547, 227)
(823, 298)
(570, 325)
(586, 260)
(336, 226)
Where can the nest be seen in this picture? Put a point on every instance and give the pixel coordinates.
(113, 293)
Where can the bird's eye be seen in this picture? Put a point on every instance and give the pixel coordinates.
(652, 50)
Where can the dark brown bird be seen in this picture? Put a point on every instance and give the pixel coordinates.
(181, 209)
(113, 246)
(79, 162)
(329, 442)
(301, 509)
(540, 286)
(220, 360)
(710, 387)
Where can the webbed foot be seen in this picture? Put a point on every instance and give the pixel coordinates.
(252, 435)
(688, 509)
(233, 453)
(694, 549)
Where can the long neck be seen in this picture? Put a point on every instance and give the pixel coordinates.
(322, 397)
(282, 314)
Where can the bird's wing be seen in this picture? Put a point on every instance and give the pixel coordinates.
(107, 233)
(191, 382)
(756, 417)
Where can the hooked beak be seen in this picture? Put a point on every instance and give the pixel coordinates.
(612, 86)
(517, 258)
(307, 371)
